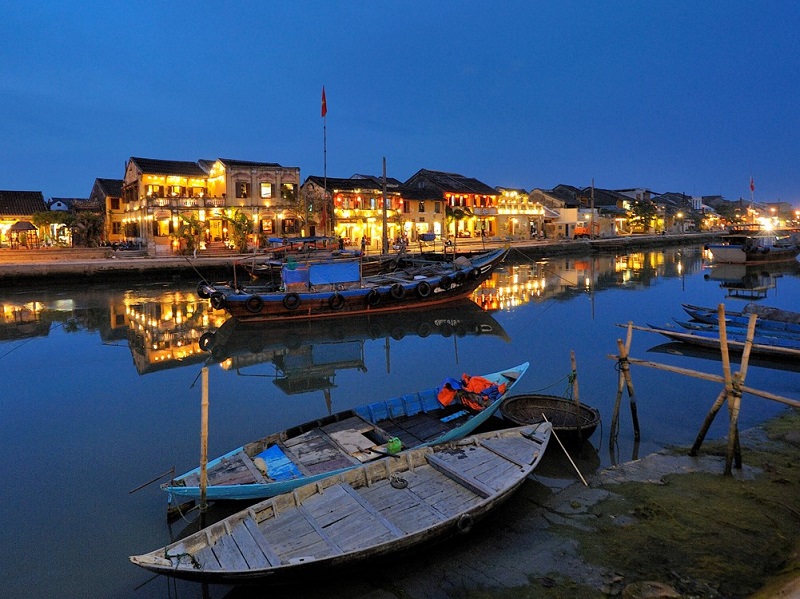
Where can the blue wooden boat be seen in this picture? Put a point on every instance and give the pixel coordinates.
(769, 319)
(374, 511)
(282, 461)
(336, 288)
(762, 346)
(738, 330)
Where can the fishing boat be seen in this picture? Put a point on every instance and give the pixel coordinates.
(748, 245)
(338, 287)
(372, 511)
(573, 422)
(761, 346)
(283, 461)
(769, 319)
(267, 264)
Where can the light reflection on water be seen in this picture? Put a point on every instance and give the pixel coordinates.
(101, 391)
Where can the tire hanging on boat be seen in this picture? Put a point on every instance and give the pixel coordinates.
(201, 290)
(460, 276)
(217, 300)
(336, 301)
(291, 301)
(373, 297)
(397, 291)
(254, 303)
(445, 282)
(206, 341)
(475, 273)
(464, 523)
(423, 289)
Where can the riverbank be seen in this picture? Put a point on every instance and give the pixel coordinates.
(665, 526)
(88, 266)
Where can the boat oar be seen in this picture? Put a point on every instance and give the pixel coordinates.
(566, 453)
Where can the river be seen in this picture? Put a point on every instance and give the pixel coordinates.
(101, 390)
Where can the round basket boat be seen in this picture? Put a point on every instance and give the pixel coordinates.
(572, 423)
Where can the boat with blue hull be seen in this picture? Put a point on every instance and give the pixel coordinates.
(753, 245)
(769, 319)
(761, 346)
(282, 461)
(328, 289)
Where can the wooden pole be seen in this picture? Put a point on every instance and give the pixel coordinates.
(625, 373)
(204, 440)
(733, 455)
(566, 453)
(575, 393)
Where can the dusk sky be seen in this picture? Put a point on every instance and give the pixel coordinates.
(683, 96)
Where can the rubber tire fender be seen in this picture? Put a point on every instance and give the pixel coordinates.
(373, 298)
(336, 301)
(423, 290)
(397, 291)
(217, 300)
(254, 303)
(291, 301)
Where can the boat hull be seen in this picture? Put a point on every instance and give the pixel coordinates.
(400, 290)
(374, 511)
(417, 419)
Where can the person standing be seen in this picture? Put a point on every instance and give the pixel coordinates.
(363, 245)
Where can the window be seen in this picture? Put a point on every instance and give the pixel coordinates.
(115, 203)
(422, 206)
(266, 190)
(406, 207)
(175, 190)
(116, 227)
(155, 191)
(242, 189)
(437, 207)
(288, 192)
(373, 204)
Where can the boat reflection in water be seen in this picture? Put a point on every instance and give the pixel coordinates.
(751, 281)
(307, 354)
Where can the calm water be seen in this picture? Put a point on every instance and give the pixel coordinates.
(101, 391)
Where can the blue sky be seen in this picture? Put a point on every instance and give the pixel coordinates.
(691, 97)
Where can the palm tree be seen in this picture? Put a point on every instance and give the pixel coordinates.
(189, 231)
(239, 228)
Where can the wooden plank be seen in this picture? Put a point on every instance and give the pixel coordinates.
(250, 550)
(473, 485)
(372, 510)
(251, 467)
(262, 542)
(315, 525)
(504, 450)
(228, 554)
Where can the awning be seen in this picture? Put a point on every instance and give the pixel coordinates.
(23, 225)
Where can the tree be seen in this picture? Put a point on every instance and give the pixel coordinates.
(189, 230)
(456, 214)
(641, 215)
(239, 228)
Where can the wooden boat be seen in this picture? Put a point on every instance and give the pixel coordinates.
(338, 442)
(761, 346)
(753, 246)
(572, 422)
(739, 329)
(337, 288)
(773, 319)
(378, 509)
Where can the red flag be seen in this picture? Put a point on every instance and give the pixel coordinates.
(324, 102)
(752, 183)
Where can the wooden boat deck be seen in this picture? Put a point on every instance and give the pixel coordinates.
(337, 445)
(344, 519)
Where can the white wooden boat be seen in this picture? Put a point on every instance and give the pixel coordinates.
(375, 510)
(282, 461)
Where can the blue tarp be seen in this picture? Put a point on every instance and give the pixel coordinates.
(346, 271)
(279, 467)
(295, 275)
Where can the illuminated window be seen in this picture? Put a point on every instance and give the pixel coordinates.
(242, 189)
(289, 192)
(422, 206)
(266, 190)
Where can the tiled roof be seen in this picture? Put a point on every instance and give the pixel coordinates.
(111, 188)
(168, 167)
(231, 163)
(390, 181)
(19, 203)
(449, 182)
(347, 185)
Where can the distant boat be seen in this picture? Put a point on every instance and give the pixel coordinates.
(735, 331)
(768, 319)
(378, 509)
(761, 346)
(753, 246)
(335, 288)
(282, 461)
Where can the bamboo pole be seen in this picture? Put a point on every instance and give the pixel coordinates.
(625, 375)
(575, 393)
(204, 440)
(733, 455)
(566, 453)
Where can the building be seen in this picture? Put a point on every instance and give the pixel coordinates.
(107, 193)
(161, 197)
(16, 213)
(354, 209)
(449, 204)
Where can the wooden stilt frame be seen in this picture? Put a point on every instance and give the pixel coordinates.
(731, 393)
(625, 381)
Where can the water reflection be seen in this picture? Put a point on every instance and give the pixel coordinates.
(307, 355)
(748, 281)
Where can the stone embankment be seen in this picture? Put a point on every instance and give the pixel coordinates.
(96, 264)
